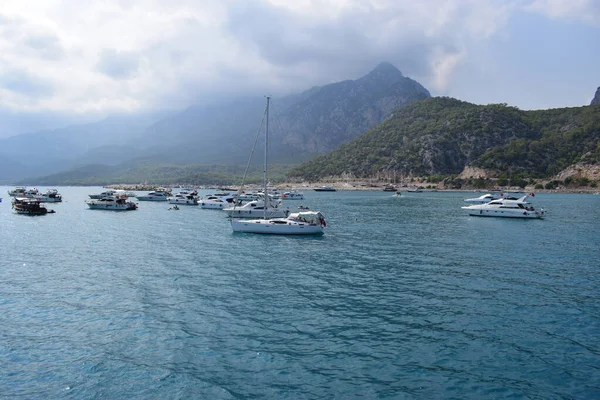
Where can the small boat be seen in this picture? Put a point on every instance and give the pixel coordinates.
(174, 208)
(485, 198)
(29, 206)
(154, 196)
(108, 193)
(325, 189)
(416, 190)
(19, 191)
(256, 209)
(113, 203)
(185, 199)
(389, 188)
(213, 202)
(49, 196)
(292, 195)
(505, 208)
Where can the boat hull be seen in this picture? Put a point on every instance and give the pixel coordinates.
(506, 214)
(275, 227)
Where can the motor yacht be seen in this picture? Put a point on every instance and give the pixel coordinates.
(102, 195)
(256, 209)
(184, 199)
(505, 208)
(19, 191)
(484, 198)
(49, 196)
(292, 195)
(154, 196)
(113, 203)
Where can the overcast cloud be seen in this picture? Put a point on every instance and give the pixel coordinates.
(79, 57)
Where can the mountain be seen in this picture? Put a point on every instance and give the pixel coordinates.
(596, 99)
(51, 151)
(305, 124)
(313, 122)
(442, 136)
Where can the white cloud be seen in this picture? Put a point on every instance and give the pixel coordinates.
(126, 55)
(583, 10)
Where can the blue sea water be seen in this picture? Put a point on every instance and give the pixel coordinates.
(402, 298)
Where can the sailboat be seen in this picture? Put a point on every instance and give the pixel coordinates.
(300, 223)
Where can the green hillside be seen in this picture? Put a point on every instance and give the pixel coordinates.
(440, 136)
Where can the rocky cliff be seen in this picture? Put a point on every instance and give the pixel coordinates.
(596, 99)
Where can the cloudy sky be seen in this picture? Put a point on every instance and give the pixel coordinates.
(65, 61)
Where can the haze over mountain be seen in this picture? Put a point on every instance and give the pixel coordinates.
(312, 122)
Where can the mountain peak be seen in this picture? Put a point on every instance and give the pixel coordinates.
(385, 71)
(596, 99)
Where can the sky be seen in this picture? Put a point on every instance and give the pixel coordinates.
(73, 61)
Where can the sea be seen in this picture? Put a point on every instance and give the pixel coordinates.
(403, 297)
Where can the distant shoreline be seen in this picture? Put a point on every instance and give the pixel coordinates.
(357, 186)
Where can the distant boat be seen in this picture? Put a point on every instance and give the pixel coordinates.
(112, 203)
(417, 190)
(29, 206)
(389, 188)
(154, 196)
(325, 189)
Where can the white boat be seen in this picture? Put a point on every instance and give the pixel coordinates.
(266, 216)
(102, 195)
(484, 198)
(113, 203)
(213, 202)
(292, 195)
(19, 191)
(505, 208)
(301, 223)
(154, 196)
(256, 209)
(49, 196)
(184, 199)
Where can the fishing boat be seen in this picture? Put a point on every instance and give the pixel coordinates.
(301, 223)
(29, 206)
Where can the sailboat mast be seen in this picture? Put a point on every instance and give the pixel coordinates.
(266, 193)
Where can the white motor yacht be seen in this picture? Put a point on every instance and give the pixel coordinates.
(301, 223)
(153, 196)
(213, 202)
(505, 208)
(19, 191)
(49, 196)
(256, 209)
(184, 199)
(113, 203)
(102, 195)
(485, 198)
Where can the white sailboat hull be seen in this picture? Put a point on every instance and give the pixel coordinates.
(275, 227)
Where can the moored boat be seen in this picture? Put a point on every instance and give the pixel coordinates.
(301, 223)
(325, 189)
(292, 195)
(29, 206)
(113, 203)
(154, 196)
(505, 208)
